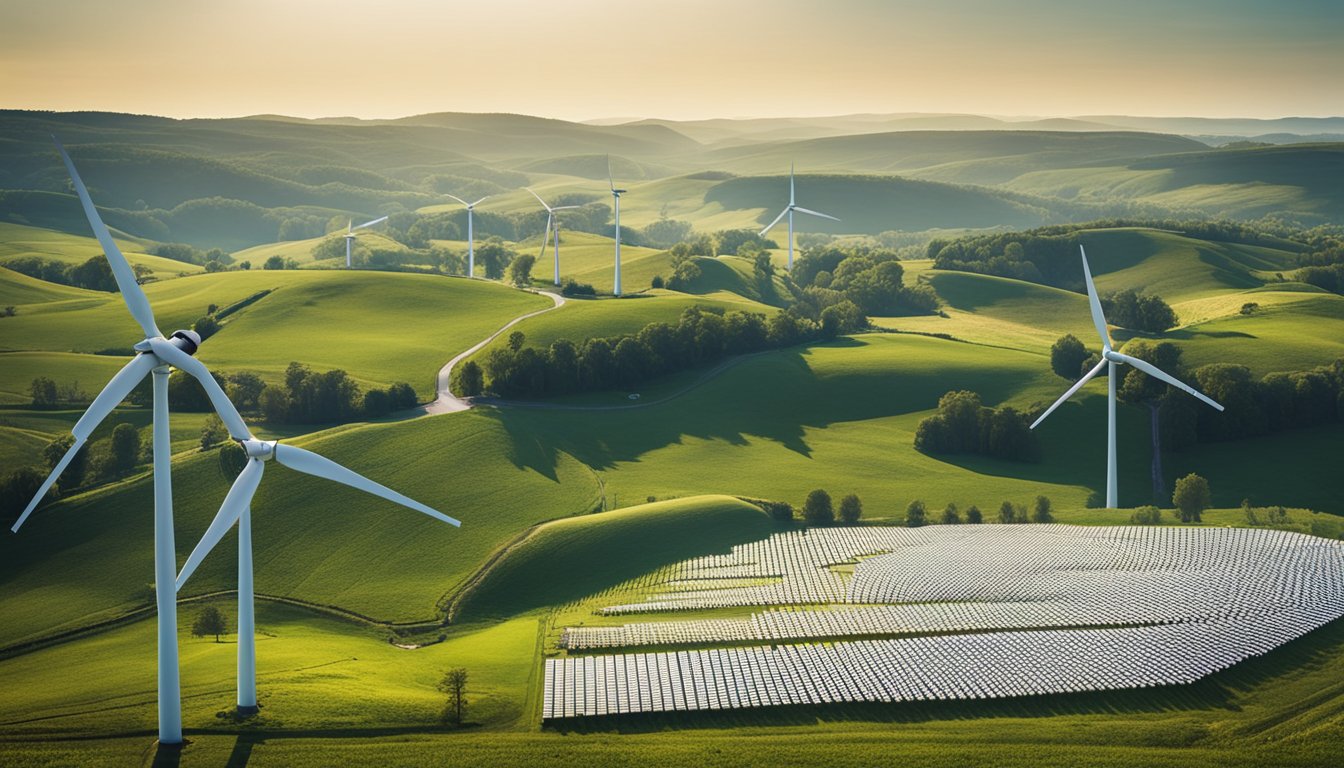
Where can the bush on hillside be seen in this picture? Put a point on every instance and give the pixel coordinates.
(963, 425)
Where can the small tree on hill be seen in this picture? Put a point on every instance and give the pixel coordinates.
(520, 269)
(1041, 510)
(1067, 356)
(851, 509)
(212, 432)
(470, 381)
(973, 515)
(1191, 497)
(454, 683)
(210, 621)
(950, 515)
(125, 446)
(817, 508)
(1007, 513)
(915, 514)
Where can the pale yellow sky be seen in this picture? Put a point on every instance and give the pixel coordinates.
(580, 59)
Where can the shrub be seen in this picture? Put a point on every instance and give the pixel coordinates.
(915, 514)
(950, 515)
(973, 515)
(817, 508)
(1148, 515)
(1041, 510)
(1191, 497)
(851, 509)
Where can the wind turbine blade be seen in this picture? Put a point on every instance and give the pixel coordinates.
(165, 351)
(610, 182)
(1077, 386)
(546, 236)
(319, 466)
(809, 211)
(1161, 375)
(1098, 319)
(116, 390)
(460, 200)
(370, 223)
(566, 207)
(131, 292)
(478, 202)
(539, 200)
(772, 224)
(235, 503)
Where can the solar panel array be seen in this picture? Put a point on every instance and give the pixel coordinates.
(961, 612)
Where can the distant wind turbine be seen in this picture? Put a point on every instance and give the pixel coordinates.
(788, 211)
(616, 206)
(237, 508)
(471, 241)
(350, 235)
(552, 220)
(1110, 358)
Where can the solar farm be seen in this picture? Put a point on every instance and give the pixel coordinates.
(948, 612)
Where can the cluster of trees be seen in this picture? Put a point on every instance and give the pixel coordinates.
(871, 278)
(819, 510)
(312, 397)
(701, 336)
(1010, 513)
(964, 425)
(1139, 311)
(214, 260)
(1273, 403)
(1329, 278)
(94, 274)
(110, 456)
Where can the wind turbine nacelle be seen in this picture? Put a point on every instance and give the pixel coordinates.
(258, 449)
(187, 341)
(1112, 356)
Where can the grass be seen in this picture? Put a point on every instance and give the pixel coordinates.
(391, 327)
(20, 240)
(569, 559)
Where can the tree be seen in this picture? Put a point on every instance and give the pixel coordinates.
(1007, 513)
(950, 515)
(454, 683)
(973, 515)
(1192, 497)
(470, 382)
(232, 459)
(817, 508)
(210, 621)
(1067, 356)
(16, 490)
(779, 511)
(493, 256)
(1040, 510)
(516, 341)
(205, 326)
(244, 389)
(44, 391)
(915, 514)
(125, 446)
(212, 432)
(520, 269)
(851, 509)
(52, 454)
(274, 262)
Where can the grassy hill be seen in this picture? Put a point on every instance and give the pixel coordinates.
(19, 241)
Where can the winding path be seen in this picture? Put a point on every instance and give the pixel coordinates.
(447, 402)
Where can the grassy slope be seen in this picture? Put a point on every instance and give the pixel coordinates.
(19, 240)
(389, 326)
(570, 559)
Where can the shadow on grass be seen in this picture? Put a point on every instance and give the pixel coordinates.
(1221, 691)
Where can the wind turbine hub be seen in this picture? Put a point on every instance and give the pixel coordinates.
(1112, 356)
(258, 449)
(187, 341)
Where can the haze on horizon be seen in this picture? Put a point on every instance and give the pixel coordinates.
(588, 59)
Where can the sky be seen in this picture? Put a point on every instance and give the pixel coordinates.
(685, 59)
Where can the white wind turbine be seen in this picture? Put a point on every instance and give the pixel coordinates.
(552, 220)
(350, 231)
(616, 206)
(471, 240)
(237, 508)
(788, 211)
(1110, 358)
(154, 354)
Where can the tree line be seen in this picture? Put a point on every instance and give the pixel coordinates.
(701, 336)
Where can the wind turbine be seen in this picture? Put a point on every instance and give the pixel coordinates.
(788, 211)
(616, 206)
(237, 508)
(154, 354)
(471, 241)
(551, 218)
(1110, 358)
(350, 231)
